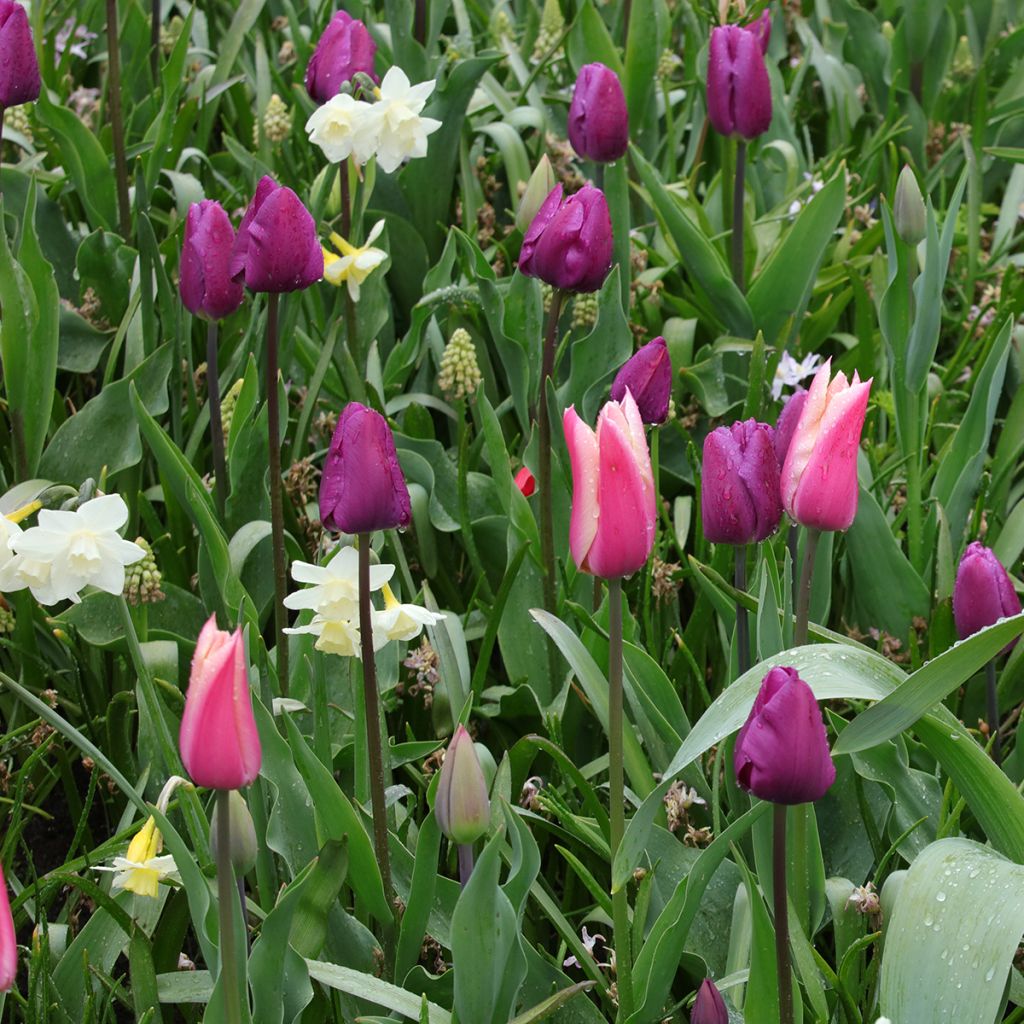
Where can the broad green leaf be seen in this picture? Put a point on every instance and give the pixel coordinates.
(372, 989)
(589, 41)
(552, 1003)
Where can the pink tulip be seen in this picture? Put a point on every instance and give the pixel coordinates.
(613, 506)
(819, 476)
(8, 941)
(219, 743)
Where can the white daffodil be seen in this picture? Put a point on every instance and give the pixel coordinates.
(333, 635)
(344, 127)
(9, 530)
(790, 372)
(356, 263)
(402, 132)
(399, 621)
(335, 590)
(142, 869)
(69, 551)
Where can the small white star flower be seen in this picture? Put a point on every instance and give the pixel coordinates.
(790, 372)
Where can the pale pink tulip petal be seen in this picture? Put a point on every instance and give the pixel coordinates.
(583, 455)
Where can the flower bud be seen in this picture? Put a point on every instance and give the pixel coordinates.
(983, 592)
(459, 374)
(525, 482)
(709, 1007)
(908, 208)
(569, 244)
(461, 803)
(241, 832)
(541, 182)
(786, 425)
(739, 94)
(204, 274)
(8, 939)
(345, 49)
(19, 68)
(781, 752)
(648, 376)
(362, 488)
(598, 119)
(740, 501)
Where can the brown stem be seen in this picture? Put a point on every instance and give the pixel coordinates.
(419, 24)
(220, 473)
(465, 863)
(276, 498)
(117, 120)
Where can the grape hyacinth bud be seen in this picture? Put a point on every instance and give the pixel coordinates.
(459, 376)
(142, 580)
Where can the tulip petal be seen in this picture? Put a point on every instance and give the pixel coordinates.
(8, 940)
(584, 458)
(805, 434)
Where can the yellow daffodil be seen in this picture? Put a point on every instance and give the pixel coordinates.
(142, 868)
(356, 263)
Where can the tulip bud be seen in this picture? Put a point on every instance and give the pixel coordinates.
(362, 488)
(709, 1007)
(819, 476)
(648, 376)
(220, 746)
(277, 248)
(242, 832)
(983, 592)
(8, 940)
(569, 244)
(461, 803)
(762, 29)
(207, 288)
(19, 68)
(908, 208)
(739, 94)
(525, 482)
(740, 501)
(781, 752)
(345, 49)
(598, 120)
(786, 425)
(611, 531)
(541, 182)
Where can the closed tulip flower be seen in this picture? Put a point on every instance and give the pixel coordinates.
(983, 592)
(598, 120)
(362, 488)
(569, 243)
(740, 501)
(277, 248)
(220, 746)
(739, 94)
(345, 49)
(19, 68)
(647, 375)
(526, 482)
(782, 752)
(8, 940)
(207, 288)
(786, 425)
(611, 532)
(709, 1007)
(819, 476)
(461, 803)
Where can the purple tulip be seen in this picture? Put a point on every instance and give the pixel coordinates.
(786, 425)
(19, 68)
(740, 499)
(362, 488)
(569, 244)
(648, 376)
(709, 1007)
(598, 120)
(738, 91)
(983, 592)
(345, 49)
(277, 248)
(781, 752)
(207, 288)
(762, 29)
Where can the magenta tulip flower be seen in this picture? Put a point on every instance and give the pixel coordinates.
(8, 940)
(568, 245)
(709, 1007)
(781, 752)
(220, 746)
(461, 803)
(739, 94)
(362, 488)
(526, 482)
(647, 375)
(983, 592)
(789, 417)
(819, 476)
(740, 501)
(277, 248)
(611, 531)
(207, 288)
(345, 49)
(598, 120)
(19, 67)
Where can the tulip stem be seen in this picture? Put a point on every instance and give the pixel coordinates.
(154, 42)
(276, 503)
(371, 701)
(220, 472)
(547, 534)
(781, 901)
(992, 693)
(465, 863)
(803, 595)
(617, 797)
(419, 25)
(117, 120)
(226, 897)
(742, 625)
(738, 192)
